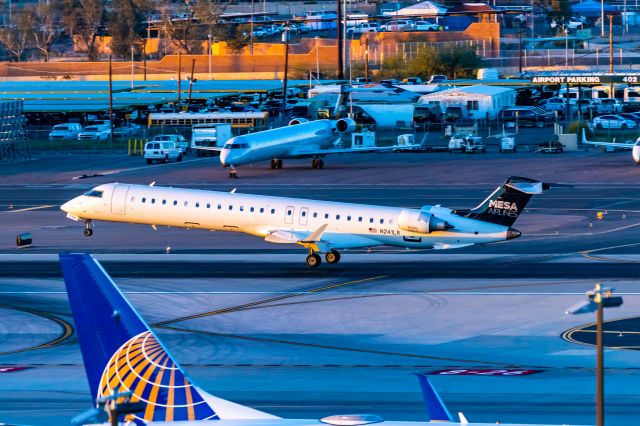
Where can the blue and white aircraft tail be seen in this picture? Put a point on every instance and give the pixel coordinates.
(121, 353)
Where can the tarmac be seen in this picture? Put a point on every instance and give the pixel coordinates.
(251, 323)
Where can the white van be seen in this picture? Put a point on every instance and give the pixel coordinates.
(65, 131)
(162, 151)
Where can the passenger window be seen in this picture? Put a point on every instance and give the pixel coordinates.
(186, 203)
(273, 211)
(360, 219)
(230, 207)
(370, 220)
(326, 215)
(337, 217)
(197, 205)
(241, 208)
(144, 200)
(289, 212)
(164, 202)
(315, 214)
(251, 209)
(208, 205)
(153, 201)
(175, 202)
(261, 209)
(219, 206)
(349, 218)
(381, 221)
(304, 214)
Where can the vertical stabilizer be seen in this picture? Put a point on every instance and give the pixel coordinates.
(436, 410)
(121, 353)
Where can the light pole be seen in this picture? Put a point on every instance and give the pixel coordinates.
(317, 58)
(602, 18)
(133, 50)
(210, 36)
(566, 47)
(599, 298)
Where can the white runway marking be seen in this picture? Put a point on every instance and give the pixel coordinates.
(31, 208)
(132, 169)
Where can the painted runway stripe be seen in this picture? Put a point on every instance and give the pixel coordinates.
(31, 208)
(346, 293)
(133, 169)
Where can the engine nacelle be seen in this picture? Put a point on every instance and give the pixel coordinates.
(345, 125)
(295, 121)
(421, 222)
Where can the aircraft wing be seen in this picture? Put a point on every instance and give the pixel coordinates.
(302, 153)
(598, 143)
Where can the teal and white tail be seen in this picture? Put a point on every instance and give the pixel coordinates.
(121, 353)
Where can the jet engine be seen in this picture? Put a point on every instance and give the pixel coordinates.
(295, 121)
(421, 222)
(345, 125)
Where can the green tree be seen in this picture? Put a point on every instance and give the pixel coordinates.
(84, 20)
(15, 37)
(126, 24)
(457, 62)
(393, 67)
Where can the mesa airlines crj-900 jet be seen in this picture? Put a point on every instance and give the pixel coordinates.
(122, 354)
(319, 226)
(633, 146)
(300, 139)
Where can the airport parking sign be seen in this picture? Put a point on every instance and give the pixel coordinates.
(476, 372)
(628, 78)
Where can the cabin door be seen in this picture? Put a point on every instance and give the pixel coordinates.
(288, 215)
(119, 199)
(304, 212)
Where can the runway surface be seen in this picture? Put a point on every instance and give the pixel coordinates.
(252, 323)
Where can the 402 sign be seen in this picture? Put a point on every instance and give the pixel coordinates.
(474, 372)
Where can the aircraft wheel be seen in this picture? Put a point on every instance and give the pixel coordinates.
(314, 163)
(313, 260)
(88, 232)
(278, 163)
(320, 163)
(273, 163)
(179, 159)
(166, 159)
(332, 257)
(148, 161)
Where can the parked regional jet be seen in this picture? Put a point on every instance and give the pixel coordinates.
(122, 354)
(300, 139)
(633, 146)
(319, 226)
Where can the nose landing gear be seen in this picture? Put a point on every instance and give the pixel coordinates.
(88, 228)
(233, 173)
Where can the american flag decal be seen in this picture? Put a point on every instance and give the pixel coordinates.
(373, 230)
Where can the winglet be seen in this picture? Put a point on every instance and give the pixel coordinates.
(436, 410)
(315, 236)
(463, 419)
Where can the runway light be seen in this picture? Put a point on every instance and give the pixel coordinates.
(599, 215)
(167, 250)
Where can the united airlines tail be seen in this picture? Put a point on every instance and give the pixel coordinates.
(121, 353)
(506, 203)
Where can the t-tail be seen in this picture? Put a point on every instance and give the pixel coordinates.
(121, 353)
(507, 202)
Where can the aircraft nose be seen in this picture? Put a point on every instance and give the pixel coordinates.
(66, 207)
(224, 155)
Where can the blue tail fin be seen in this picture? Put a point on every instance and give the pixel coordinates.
(436, 409)
(121, 353)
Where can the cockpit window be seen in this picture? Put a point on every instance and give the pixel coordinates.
(236, 146)
(94, 193)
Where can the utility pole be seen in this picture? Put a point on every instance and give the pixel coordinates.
(366, 60)
(601, 18)
(285, 36)
(110, 102)
(520, 52)
(339, 37)
(612, 93)
(144, 59)
(193, 66)
(179, 80)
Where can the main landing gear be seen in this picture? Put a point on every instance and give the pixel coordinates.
(314, 259)
(88, 228)
(317, 163)
(276, 163)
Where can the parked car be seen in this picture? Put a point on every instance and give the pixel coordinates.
(162, 151)
(95, 132)
(65, 131)
(426, 26)
(126, 130)
(398, 25)
(574, 23)
(586, 106)
(363, 27)
(608, 106)
(526, 116)
(554, 104)
(633, 116)
(179, 140)
(437, 78)
(613, 122)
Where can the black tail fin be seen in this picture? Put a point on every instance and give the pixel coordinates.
(506, 203)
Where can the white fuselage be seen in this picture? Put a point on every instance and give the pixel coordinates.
(283, 142)
(277, 219)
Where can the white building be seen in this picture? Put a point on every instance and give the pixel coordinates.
(479, 102)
